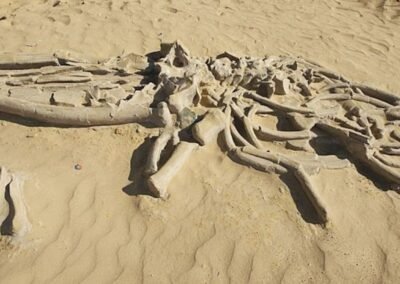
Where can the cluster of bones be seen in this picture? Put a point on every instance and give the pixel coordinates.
(276, 114)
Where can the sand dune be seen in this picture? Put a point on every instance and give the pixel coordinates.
(223, 222)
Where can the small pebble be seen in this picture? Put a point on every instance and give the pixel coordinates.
(3, 18)
(78, 167)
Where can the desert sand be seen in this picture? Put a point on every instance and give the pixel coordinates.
(222, 222)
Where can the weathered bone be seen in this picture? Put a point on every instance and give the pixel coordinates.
(79, 116)
(387, 160)
(230, 145)
(157, 148)
(257, 162)
(278, 106)
(209, 127)
(10, 62)
(158, 183)
(269, 134)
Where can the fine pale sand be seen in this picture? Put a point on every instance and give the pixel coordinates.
(223, 222)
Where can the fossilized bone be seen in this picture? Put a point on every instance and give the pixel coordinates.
(194, 100)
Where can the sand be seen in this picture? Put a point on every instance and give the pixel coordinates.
(223, 222)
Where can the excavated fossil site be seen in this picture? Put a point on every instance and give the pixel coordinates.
(205, 163)
(194, 100)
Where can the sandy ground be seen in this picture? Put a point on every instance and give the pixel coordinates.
(223, 222)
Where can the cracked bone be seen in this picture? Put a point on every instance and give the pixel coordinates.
(209, 127)
(79, 116)
(31, 94)
(68, 98)
(158, 183)
(26, 61)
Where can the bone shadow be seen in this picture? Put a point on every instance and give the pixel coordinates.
(6, 228)
(138, 185)
(303, 204)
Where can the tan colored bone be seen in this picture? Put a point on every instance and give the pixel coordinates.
(26, 61)
(158, 183)
(257, 162)
(157, 148)
(276, 135)
(230, 145)
(209, 127)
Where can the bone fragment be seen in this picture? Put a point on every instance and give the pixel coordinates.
(281, 85)
(68, 98)
(79, 116)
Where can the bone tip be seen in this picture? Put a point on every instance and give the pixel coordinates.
(157, 190)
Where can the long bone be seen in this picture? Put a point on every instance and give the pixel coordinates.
(265, 133)
(278, 106)
(158, 183)
(247, 125)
